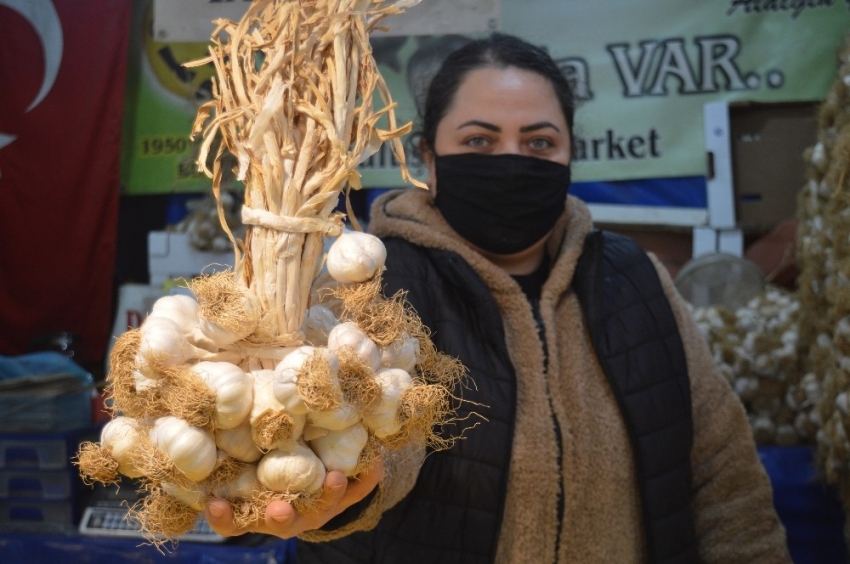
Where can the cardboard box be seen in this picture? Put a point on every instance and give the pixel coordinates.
(756, 164)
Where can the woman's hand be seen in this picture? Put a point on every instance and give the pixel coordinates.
(281, 518)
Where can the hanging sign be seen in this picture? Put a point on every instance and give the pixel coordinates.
(190, 20)
(640, 80)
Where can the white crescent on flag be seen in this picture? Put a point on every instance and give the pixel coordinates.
(42, 15)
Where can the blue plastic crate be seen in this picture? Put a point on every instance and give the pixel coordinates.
(49, 485)
(811, 511)
(43, 451)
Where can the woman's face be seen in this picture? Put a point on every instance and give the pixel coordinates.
(503, 111)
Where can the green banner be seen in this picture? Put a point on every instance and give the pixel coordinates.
(647, 68)
(642, 72)
(162, 100)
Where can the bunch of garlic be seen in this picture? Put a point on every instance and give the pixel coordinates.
(201, 408)
(824, 283)
(757, 348)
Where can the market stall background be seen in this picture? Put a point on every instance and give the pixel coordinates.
(641, 81)
(96, 109)
(62, 67)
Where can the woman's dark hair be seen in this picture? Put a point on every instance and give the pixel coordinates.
(499, 50)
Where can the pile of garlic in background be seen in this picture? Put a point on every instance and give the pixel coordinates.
(204, 226)
(824, 283)
(787, 355)
(196, 414)
(757, 348)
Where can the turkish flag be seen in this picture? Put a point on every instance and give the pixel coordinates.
(62, 70)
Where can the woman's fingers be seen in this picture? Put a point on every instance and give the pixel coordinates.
(362, 485)
(283, 521)
(219, 515)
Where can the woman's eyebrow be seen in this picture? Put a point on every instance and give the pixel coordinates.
(497, 129)
(539, 125)
(483, 124)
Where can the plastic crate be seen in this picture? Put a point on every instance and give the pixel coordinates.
(37, 515)
(53, 485)
(22, 451)
(42, 451)
(810, 511)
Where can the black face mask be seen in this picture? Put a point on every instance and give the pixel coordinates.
(502, 204)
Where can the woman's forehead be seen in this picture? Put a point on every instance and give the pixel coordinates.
(505, 94)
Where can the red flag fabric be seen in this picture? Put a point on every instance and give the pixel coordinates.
(62, 70)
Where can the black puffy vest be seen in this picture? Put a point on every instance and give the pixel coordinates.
(637, 342)
(453, 514)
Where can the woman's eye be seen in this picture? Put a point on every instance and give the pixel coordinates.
(476, 142)
(540, 144)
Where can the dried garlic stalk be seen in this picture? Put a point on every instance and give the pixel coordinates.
(294, 102)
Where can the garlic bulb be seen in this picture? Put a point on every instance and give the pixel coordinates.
(344, 416)
(311, 432)
(248, 307)
(163, 341)
(120, 436)
(193, 496)
(842, 402)
(383, 420)
(403, 353)
(233, 388)
(190, 449)
(299, 357)
(238, 442)
(317, 324)
(181, 309)
(340, 450)
(243, 487)
(294, 468)
(349, 335)
(285, 389)
(142, 382)
(291, 368)
(355, 257)
(271, 422)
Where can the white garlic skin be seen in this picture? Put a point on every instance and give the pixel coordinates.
(340, 450)
(355, 257)
(288, 370)
(162, 338)
(317, 324)
(294, 468)
(243, 487)
(190, 449)
(192, 497)
(285, 390)
(142, 382)
(238, 442)
(403, 353)
(266, 401)
(119, 436)
(181, 309)
(383, 420)
(222, 337)
(234, 391)
(842, 402)
(348, 334)
(340, 418)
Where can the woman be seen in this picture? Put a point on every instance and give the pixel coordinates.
(487, 256)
